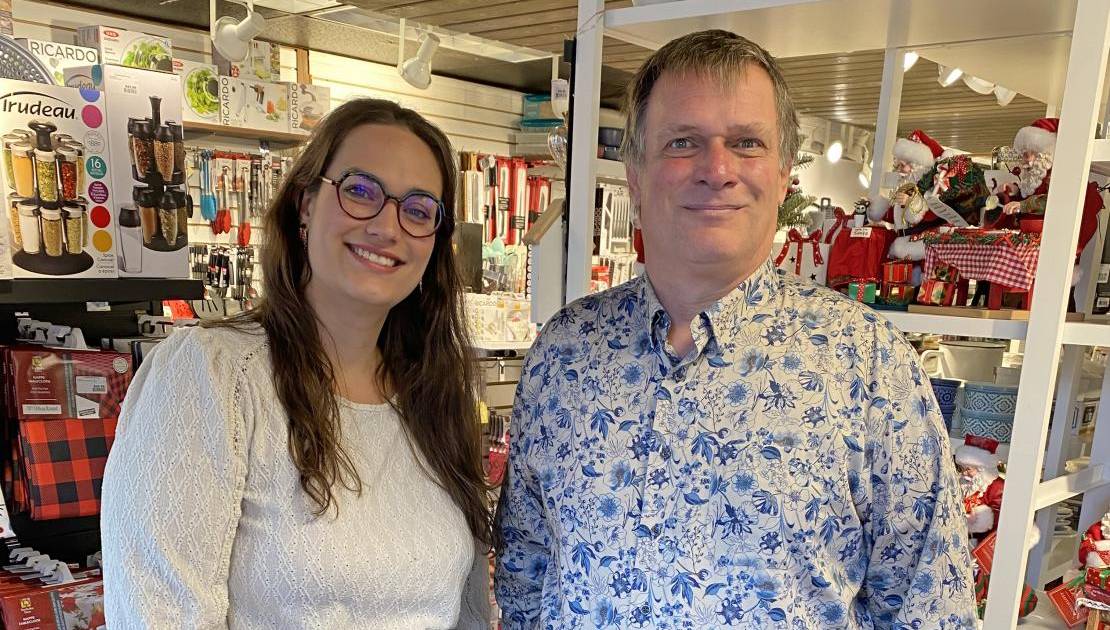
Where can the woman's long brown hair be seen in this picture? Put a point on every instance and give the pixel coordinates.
(427, 362)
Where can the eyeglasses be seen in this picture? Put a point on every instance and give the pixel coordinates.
(362, 196)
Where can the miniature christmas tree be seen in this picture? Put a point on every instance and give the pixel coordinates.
(793, 206)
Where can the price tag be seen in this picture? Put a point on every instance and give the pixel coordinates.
(861, 232)
(92, 385)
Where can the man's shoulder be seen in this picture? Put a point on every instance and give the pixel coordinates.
(614, 305)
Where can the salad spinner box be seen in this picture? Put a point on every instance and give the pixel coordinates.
(131, 49)
(55, 183)
(200, 91)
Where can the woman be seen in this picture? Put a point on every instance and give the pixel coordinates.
(315, 463)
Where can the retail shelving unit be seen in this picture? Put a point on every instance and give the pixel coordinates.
(1023, 44)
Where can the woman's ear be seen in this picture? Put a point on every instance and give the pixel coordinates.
(304, 206)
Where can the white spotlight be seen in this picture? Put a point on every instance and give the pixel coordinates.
(948, 75)
(908, 61)
(835, 152)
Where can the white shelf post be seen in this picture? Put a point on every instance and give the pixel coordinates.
(583, 155)
(1083, 87)
(890, 96)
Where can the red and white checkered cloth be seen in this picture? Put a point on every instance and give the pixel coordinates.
(1013, 266)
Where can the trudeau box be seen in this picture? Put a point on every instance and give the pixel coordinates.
(148, 148)
(200, 91)
(254, 104)
(307, 105)
(60, 57)
(262, 64)
(57, 193)
(119, 47)
(56, 383)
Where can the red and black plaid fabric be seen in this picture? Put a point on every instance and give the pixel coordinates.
(64, 462)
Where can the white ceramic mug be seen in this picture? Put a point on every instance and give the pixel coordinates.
(965, 360)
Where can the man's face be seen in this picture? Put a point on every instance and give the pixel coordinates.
(1027, 157)
(710, 181)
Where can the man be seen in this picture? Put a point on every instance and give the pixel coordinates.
(715, 444)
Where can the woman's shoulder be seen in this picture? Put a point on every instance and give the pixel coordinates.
(223, 349)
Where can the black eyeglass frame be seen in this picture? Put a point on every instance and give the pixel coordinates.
(386, 197)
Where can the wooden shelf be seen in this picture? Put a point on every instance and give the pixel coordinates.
(196, 129)
(78, 290)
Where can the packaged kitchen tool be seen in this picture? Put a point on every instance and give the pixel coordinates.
(307, 105)
(200, 91)
(58, 57)
(132, 49)
(263, 63)
(55, 383)
(254, 104)
(57, 195)
(147, 143)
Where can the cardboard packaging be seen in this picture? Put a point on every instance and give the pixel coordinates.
(73, 606)
(55, 383)
(58, 57)
(200, 91)
(57, 193)
(89, 77)
(263, 63)
(308, 104)
(254, 104)
(148, 148)
(132, 49)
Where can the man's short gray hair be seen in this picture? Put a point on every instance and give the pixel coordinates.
(720, 55)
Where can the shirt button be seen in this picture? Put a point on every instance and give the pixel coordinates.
(680, 374)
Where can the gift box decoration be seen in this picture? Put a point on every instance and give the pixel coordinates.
(804, 256)
(1098, 577)
(1065, 598)
(897, 272)
(862, 292)
(936, 293)
(947, 273)
(857, 255)
(898, 293)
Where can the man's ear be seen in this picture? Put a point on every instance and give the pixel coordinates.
(633, 176)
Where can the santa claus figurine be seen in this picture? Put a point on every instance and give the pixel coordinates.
(982, 487)
(913, 157)
(1036, 144)
(1094, 551)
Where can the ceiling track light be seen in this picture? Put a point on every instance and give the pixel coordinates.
(232, 38)
(836, 147)
(417, 71)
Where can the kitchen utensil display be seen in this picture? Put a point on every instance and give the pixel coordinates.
(208, 206)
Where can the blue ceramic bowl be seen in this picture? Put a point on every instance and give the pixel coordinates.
(945, 389)
(988, 399)
(996, 427)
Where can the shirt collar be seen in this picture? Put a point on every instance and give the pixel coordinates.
(720, 318)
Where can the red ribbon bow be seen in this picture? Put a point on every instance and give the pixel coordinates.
(794, 236)
(841, 221)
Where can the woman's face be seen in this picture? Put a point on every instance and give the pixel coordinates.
(370, 263)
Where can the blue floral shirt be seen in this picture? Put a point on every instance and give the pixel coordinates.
(792, 471)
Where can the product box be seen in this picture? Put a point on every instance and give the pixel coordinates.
(862, 292)
(57, 194)
(148, 148)
(263, 63)
(254, 104)
(90, 77)
(73, 606)
(57, 57)
(132, 49)
(56, 383)
(200, 91)
(307, 105)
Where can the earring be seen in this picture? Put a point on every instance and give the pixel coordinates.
(421, 286)
(304, 235)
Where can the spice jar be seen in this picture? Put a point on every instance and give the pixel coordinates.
(26, 134)
(178, 134)
(46, 175)
(13, 220)
(184, 209)
(167, 217)
(163, 153)
(61, 139)
(74, 227)
(131, 239)
(23, 169)
(79, 149)
(52, 230)
(148, 212)
(67, 171)
(8, 140)
(29, 226)
(142, 142)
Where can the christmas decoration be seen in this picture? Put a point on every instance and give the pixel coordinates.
(793, 206)
(977, 461)
(804, 256)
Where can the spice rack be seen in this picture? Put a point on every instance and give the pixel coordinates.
(158, 219)
(49, 219)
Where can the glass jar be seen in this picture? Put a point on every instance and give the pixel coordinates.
(131, 239)
(142, 142)
(61, 139)
(46, 175)
(79, 149)
(8, 140)
(52, 230)
(23, 169)
(74, 227)
(148, 213)
(13, 220)
(167, 218)
(178, 134)
(29, 226)
(163, 153)
(67, 172)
